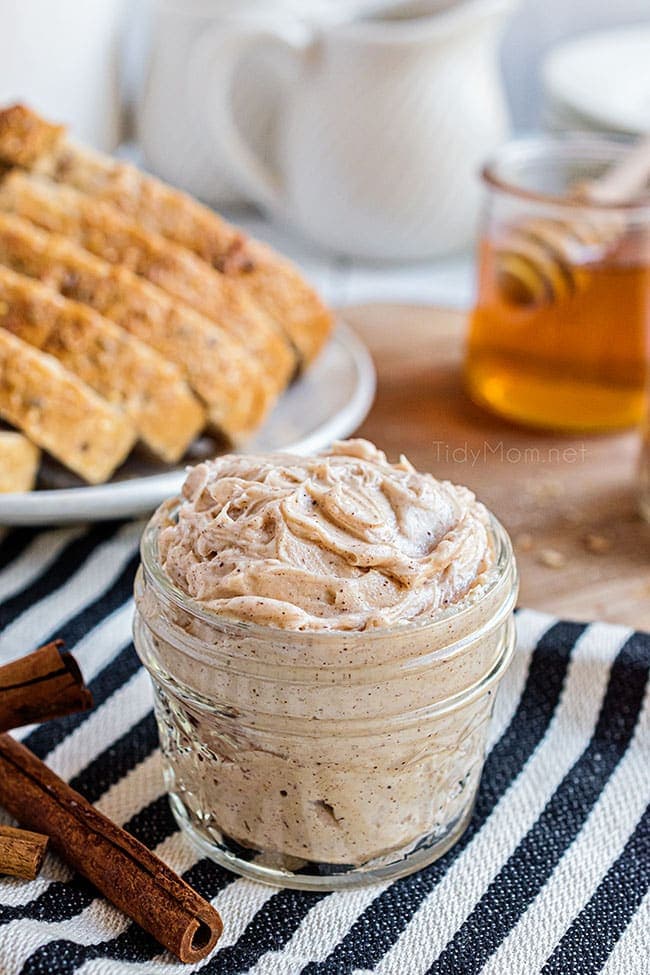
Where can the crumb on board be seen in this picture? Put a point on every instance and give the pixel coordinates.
(524, 541)
(545, 489)
(598, 544)
(574, 516)
(551, 558)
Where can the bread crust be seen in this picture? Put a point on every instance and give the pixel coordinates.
(25, 137)
(274, 283)
(231, 384)
(19, 460)
(120, 368)
(60, 413)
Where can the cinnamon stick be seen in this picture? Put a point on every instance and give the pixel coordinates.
(21, 852)
(42, 685)
(121, 867)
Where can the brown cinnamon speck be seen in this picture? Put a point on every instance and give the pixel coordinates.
(598, 544)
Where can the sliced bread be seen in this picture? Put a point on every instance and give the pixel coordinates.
(274, 282)
(122, 369)
(60, 413)
(107, 233)
(235, 389)
(19, 460)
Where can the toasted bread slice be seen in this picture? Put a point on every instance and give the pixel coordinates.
(120, 368)
(60, 413)
(277, 287)
(233, 386)
(274, 282)
(19, 460)
(103, 230)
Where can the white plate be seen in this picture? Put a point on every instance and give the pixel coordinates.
(327, 403)
(603, 78)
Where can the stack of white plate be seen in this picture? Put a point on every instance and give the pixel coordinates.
(599, 82)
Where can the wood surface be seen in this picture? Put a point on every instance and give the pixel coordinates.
(569, 502)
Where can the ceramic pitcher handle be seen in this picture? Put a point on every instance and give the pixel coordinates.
(213, 63)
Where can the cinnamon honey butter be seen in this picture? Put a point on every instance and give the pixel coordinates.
(325, 637)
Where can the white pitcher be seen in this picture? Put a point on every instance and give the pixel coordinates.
(382, 126)
(171, 105)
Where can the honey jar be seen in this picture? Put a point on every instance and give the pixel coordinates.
(558, 337)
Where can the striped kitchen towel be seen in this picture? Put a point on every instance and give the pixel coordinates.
(552, 876)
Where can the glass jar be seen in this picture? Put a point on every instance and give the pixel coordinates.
(323, 760)
(558, 337)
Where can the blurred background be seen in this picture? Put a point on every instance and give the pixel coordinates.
(532, 29)
(272, 110)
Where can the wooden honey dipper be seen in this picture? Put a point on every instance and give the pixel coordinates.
(537, 261)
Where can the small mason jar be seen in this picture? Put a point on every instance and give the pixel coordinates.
(558, 338)
(331, 759)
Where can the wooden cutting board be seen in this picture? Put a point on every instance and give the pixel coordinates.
(568, 502)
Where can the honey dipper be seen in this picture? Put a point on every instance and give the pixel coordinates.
(536, 262)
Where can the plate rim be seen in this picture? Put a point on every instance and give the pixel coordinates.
(24, 508)
(555, 62)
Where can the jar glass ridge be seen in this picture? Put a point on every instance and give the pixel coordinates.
(323, 760)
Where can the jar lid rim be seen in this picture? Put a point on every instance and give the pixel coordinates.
(585, 146)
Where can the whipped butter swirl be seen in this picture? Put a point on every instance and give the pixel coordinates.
(340, 541)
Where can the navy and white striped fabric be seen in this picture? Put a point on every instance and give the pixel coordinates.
(552, 877)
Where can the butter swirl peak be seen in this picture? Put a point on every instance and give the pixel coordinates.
(343, 540)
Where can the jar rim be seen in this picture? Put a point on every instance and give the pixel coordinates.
(569, 146)
(468, 604)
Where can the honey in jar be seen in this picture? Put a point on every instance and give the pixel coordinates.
(558, 337)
